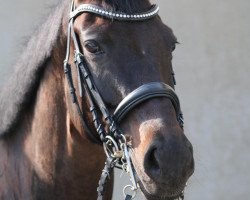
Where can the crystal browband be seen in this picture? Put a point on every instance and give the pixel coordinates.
(115, 15)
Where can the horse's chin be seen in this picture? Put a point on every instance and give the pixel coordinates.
(160, 194)
(157, 190)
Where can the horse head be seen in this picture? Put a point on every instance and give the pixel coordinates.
(122, 56)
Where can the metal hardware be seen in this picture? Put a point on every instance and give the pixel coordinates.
(110, 147)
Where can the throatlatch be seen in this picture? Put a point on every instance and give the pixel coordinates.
(116, 146)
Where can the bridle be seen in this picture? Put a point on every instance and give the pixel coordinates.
(116, 145)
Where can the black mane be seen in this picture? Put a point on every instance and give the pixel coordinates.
(21, 88)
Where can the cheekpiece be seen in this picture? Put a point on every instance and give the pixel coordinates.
(153, 11)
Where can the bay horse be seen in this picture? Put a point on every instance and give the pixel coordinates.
(119, 62)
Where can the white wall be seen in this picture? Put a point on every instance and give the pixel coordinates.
(212, 69)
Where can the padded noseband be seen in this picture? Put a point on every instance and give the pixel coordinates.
(143, 93)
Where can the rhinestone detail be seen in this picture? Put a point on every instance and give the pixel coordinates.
(114, 15)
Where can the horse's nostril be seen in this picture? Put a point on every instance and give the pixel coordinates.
(169, 160)
(151, 163)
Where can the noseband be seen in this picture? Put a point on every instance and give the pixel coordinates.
(115, 143)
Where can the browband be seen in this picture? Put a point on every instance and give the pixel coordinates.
(143, 93)
(115, 15)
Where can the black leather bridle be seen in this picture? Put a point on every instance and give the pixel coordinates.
(114, 141)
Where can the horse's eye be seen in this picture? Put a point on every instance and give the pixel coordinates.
(92, 47)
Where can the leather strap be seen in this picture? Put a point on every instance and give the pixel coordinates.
(106, 172)
(143, 93)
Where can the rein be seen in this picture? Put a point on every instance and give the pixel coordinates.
(116, 146)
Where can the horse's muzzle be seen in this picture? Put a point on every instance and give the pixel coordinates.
(169, 163)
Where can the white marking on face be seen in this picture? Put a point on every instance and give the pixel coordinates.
(150, 126)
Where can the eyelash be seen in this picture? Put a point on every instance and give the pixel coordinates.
(93, 47)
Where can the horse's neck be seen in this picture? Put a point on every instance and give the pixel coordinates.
(49, 159)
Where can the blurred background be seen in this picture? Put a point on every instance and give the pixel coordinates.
(212, 71)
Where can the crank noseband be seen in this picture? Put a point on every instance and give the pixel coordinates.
(146, 92)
